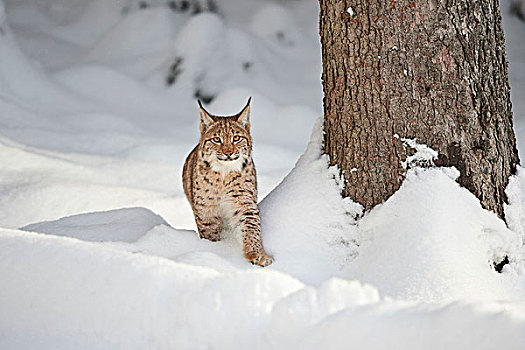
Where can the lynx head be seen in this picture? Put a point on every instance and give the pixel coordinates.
(225, 142)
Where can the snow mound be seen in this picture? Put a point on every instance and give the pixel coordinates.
(276, 24)
(306, 223)
(38, 185)
(431, 241)
(203, 48)
(63, 293)
(22, 81)
(392, 325)
(83, 295)
(126, 225)
(137, 42)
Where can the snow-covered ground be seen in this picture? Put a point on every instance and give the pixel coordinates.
(97, 243)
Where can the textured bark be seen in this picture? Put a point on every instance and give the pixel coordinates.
(432, 70)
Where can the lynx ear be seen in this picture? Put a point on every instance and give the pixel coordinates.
(205, 118)
(244, 117)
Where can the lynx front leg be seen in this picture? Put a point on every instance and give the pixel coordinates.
(250, 226)
(209, 227)
(252, 253)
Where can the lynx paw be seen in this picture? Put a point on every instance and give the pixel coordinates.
(261, 259)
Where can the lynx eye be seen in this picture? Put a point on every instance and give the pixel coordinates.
(236, 138)
(216, 139)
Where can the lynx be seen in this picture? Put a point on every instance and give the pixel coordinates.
(220, 183)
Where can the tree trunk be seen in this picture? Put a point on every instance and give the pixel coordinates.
(432, 70)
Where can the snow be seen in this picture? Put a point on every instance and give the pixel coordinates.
(423, 156)
(126, 225)
(98, 247)
(514, 211)
(302, 244)
(429, 251)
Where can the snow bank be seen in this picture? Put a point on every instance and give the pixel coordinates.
(432, 241)
(276, 24)
(391, 325)
(59, 292)
(203, 48)
(24, 82)
(119, 92)
(126, 225)
(85, 296)
(136, 42)
(306, 224)
(39, 185)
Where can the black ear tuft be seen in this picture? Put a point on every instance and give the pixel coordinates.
(244, 116)
(206, 119)
(204, 109)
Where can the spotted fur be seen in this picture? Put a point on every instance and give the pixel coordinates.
(220, 182)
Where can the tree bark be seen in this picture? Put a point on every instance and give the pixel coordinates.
(427, 69)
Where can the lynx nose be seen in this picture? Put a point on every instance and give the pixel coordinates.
(228, 153)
